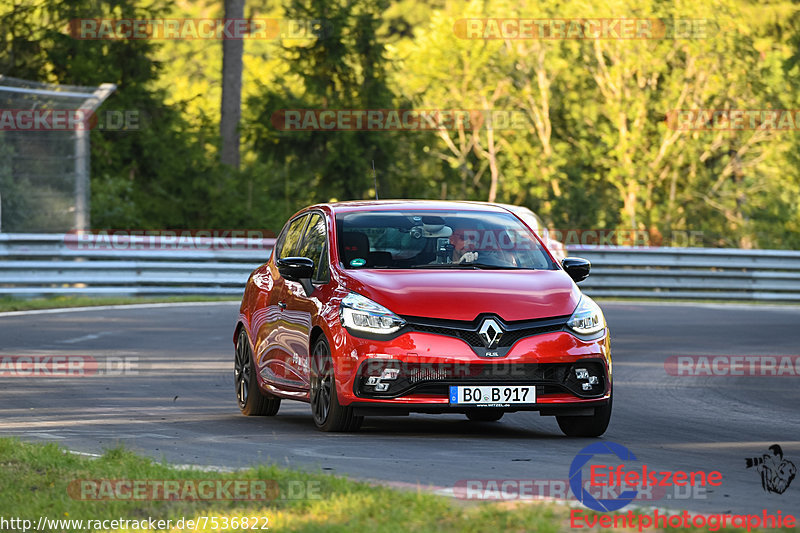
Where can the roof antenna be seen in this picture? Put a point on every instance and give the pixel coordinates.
(374, 175)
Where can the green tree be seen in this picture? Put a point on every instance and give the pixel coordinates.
(344, 69)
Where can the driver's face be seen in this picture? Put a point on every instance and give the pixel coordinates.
(457, 239)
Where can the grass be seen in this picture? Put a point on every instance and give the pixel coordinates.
(18, 304)
(35, 480)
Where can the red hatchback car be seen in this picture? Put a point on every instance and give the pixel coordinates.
(392, 307)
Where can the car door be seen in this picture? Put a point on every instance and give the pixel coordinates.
(276, 334)
(302, 308)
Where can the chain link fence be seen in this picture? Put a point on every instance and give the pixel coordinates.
(44, 154)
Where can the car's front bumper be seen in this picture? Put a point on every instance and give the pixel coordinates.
(422, 367)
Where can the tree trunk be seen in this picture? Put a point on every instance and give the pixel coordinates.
(629, 205)
(231, 110)
(495, 173)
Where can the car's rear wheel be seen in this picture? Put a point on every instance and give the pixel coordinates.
(586, 426)
(251, 400)
(485, 415)
(329, 415)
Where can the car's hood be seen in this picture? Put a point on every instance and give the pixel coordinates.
(465, 294)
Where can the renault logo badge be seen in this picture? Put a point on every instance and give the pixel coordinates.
(490, 332)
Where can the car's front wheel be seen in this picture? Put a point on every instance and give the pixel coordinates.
(251, 400)
(586, 426)
(329, 415)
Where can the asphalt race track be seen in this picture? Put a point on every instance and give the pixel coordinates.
(176, 401)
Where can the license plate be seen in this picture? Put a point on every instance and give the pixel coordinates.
(492, 395)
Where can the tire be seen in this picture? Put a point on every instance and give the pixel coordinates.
(328, 413)
(485, 415)
(251, 400)
(586, 426)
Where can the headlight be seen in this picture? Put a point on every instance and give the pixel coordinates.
(362, 314)
(587, 317)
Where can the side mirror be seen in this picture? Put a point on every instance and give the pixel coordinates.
(298, 269)
(577, 268)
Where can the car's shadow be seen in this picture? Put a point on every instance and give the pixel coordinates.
(514, 425)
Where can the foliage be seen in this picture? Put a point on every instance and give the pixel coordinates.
(594, 148)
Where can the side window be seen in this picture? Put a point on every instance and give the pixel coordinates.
(324, 270)
(291, 238)
(314, 247)
(280, 240)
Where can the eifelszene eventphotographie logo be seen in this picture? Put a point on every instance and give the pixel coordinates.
(617, 484)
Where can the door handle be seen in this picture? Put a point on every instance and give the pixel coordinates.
(282, 305)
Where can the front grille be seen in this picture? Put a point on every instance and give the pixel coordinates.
(416, 373)
(468, 331)
(380, 378)
(511, 337)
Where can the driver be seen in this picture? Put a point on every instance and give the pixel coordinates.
(462, 249)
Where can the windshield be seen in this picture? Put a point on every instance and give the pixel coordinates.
(438, 240)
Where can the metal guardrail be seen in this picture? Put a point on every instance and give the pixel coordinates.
(52, 264)
(692, 273)
(62, 264)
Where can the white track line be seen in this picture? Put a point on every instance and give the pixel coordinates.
(707, 305)
(90, 337)
(111, 307)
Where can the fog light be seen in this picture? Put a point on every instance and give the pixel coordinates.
(586, 386)
(593, 380)
(381, 387)
(373, 380)
(581, 373)
(390, 373)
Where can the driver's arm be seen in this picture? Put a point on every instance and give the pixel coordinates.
(468, 257)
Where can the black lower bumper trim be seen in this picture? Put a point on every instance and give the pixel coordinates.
(374, 409)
